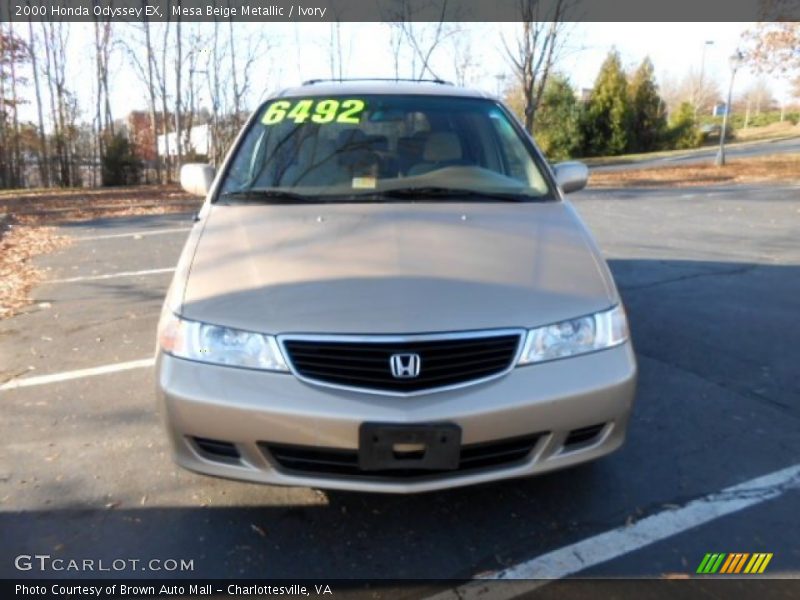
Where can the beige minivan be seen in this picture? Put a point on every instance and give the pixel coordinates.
(386, 290)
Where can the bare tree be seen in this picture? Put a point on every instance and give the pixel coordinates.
(701, 93)
(536, 50)
(145, 68)
(421, 38)
(197, 49)
(229, 66)
(56, 38)
(161, 80)
(213, 70)
(335, 49)
(12, 51)
(19, 52)
(104, 123)
(396, 45)
(44, 171)
(178, 104)
(756, 98)
(464, 62)
(699, 90)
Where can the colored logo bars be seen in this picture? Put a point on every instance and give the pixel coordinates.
(729, 564)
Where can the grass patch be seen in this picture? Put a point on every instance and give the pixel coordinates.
(772, 133)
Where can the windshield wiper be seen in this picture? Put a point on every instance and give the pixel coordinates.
(268, 196)
(439, 193)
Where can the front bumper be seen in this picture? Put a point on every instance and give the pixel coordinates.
(245, 407)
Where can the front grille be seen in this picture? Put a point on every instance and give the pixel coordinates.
(446, 361)
(312, 460)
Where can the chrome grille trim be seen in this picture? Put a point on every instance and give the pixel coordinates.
(411, 338)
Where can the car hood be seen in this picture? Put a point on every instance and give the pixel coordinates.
(394, 268)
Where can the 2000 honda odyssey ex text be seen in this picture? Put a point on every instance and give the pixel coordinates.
(385, 290)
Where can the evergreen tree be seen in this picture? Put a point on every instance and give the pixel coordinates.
(121, 166)
(648, 111)
(683, 131)
(557, 127)
(607, 118)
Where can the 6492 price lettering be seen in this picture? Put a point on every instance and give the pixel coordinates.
(323, 111)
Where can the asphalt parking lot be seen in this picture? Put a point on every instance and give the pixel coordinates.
(711, 280)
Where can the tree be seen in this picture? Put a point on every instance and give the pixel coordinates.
(144, 67)
(13, 52)
(42, 155)
(63, 104)
(758, 97)
(683, 131)
(607, 118)
(104, 122)
(464, 61)
(702, 92)
(420, 38)
(178, 99)
(120, 165)
(537, 50)
(557, 128)
(648, 121)
(773, 47)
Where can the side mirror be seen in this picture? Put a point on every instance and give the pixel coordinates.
(571, 176)
(196, 178)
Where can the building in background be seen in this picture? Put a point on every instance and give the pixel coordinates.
(199, 142)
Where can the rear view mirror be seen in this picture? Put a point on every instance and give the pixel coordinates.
(196, 178)
(571, 176)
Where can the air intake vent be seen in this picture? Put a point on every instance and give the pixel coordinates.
(334, 461)
(583, 435)
(366, 363)
(216, 448)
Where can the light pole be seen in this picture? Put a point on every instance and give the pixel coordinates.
(735, 62)
(697, 101)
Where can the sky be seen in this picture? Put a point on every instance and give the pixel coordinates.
(674, 48)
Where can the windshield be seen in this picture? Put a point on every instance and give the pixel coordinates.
(382, 148)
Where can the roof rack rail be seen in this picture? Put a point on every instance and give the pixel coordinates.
(343, 79)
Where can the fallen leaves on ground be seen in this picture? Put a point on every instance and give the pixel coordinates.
(775, 168)
(19, 244)
(54, 206)
(27, 218)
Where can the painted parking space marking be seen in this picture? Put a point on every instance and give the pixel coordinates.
(133, 234)
(78, 374)
(601, 548)
(110, 275)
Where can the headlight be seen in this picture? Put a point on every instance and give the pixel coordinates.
(575, 336)
(220, 345)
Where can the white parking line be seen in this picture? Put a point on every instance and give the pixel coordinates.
(110, 275)
(79, 374)
(109, 236)
(612, 544)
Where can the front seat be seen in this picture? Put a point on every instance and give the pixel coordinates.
(442, 149)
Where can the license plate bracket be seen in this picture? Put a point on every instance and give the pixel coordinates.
(433, 447)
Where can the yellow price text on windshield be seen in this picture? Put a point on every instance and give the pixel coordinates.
(326, 110)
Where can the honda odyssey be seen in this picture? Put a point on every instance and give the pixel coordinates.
(386, 290)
